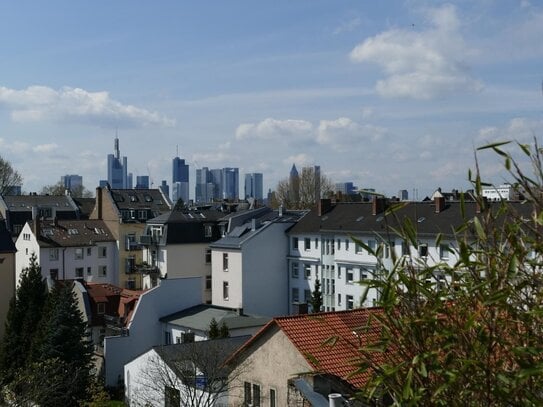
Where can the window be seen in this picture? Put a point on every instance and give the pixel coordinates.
(346, 244)
(142, 214)
(256, 395)
(307, 295)
(130, 265)
(405, 248)
(78, 253)
(208, 231)
(130, 241)
(89, 271)
(247, 393)
(225, 261)
(349, 275)
(295, 243)
(187, 337)
(371, 244)
(316, 242)
(339, 244)
(101, 308)
(307, 271)
(225, 290)
(208, 282)
(102, 271)
(294, 271)
(208, 256)
(273, 398)
(357, 248)
(26, 236)
(53, 254)
(339, 272)
(444, 251)
(79, 272)
(295, 294)
(350, 301)
(423, 250)
(167, 338)
(102, 251)
(307, 243)
(172, 397)
(89, 251)
(339, 300)
(53, 273)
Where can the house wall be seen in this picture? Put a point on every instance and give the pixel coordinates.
(7, 286)
(188, 260)
(145, 330)
(25, 248)
(265, 272)
(269, 362)
(233, 276)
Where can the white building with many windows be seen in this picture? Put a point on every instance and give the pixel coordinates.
(69, 249)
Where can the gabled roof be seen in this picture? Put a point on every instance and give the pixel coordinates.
(199, 317)
(73, 233)
(152, 199)
(328, 341)
(24, 203)
(120, 302)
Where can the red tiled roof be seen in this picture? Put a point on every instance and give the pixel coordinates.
(330, 341)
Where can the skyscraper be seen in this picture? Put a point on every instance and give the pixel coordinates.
(253, 186)
(72, 181)
(216, 184)
(230, 183)
(117, 174)
(142, 182)
(180, 180)
(294, 184)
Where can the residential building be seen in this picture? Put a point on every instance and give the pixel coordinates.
(249, 264)
(7, 273)
(254, 186)
(193, 324)
(69, 250)
(292, 362)
(176, 244)
(502, 192)
(144, 330)
(180, 180)
(17, 209)
(72, 182)
(125, 212)
(187, 374)
(323, 245)
(117, 170)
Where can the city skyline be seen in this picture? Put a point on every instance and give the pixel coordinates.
(391, 96)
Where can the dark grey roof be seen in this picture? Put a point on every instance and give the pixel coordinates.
(141, 199)
(207, 355)
(358, 217)
(6, 242)
(24, 203)
(199, 317)
(85, 205)
(73, 233)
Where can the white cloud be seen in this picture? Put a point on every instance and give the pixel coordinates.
(45, 148)
(301, 160)
(519, 129)
(343, 133)
(37, 103)
(348, 26)
(269, 129)
(420, 65)
(212, 157)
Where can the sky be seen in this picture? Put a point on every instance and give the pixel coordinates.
(389, 95)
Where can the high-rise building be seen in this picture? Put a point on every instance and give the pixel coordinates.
(230, 183)
(117, 174)
(72, 182)
(165, 188)
(180, 180)
(253, 186)
(203, 178)
(142, 182)
(345, 188)
(216, 184)
(294, 184)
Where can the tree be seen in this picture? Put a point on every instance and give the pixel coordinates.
(59, 189)
(474, 339)
(224, 332)
(24, 315)
(213, 329)
(9, 177)
(316, 297)
(62, 337)
(307, 185)
(187, 374)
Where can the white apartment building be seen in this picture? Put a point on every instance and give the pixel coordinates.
(69, 249)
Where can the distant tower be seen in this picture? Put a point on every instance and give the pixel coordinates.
(117, 175)
(253, 186)
(165, 188)
(230, 183)
(294, 184)
(180, 180)
(72, 182)
(142, 182)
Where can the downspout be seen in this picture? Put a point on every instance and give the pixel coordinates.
(63, 264)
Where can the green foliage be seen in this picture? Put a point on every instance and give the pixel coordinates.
(213, 329)
(316, 297)
(477, 340)
(224, 332)
(24, 315)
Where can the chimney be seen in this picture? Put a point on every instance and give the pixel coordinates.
(440, 203)
(99, 203)
(323, 206)
(36, 222)
(335, 400)
(378, 205)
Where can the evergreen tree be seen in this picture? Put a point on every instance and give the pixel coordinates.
(224, 332)
(316, 297)
(213, 329)
(63, 337)
(24, 315)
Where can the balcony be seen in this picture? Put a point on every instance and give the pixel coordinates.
(146, 268)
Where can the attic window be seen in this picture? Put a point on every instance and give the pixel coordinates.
(202, 215)
(133, 198)
(359, 218)
(73, 231)
(48, 232)
(148, 198)
(324, 218)
(421, 219)
(379, 219)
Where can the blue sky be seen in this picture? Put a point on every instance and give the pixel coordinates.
(390, 95)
